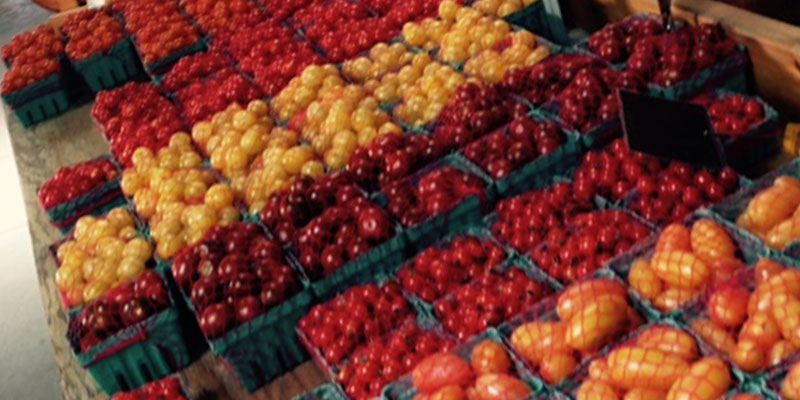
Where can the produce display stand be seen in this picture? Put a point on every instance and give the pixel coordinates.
(73, 137)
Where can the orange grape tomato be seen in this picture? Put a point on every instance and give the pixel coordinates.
(766, 268)
(451, 392)
(555, 367)
(718, 338)
(790, 387)
(680, 269)
(674, 298)
(535, 339)
(710, 241)
(580, 294)
(645, 394)
(633, 367)
(727, 306)
(670, 340)
(725, 269)
(501, 387)
(780, 351)
(592, 327)
(748, 356)
(707, 379)
(490, 357)
(592, 389)
(439, 370)
(644, 280)
(674, 237)
(761, 329)
(598, 370)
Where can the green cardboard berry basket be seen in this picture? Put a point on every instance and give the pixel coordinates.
(758, 144)
(544, 311)
(730, 73)
(44, 99)
(749, 252)
(325, 391)
(161, 66)
(466, 212)
(262, 349)
(366, 268)
(542, 17)
(404, 389)
(112, 68)
(734, 205)
(747, 279)
(582, 374)
(148, 351)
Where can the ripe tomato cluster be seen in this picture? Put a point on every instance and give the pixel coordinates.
(194, 68)
(232, 276)
(587, 243)
(661, 361)
(162, 389)
(158, 26)
(666, 191)
(676, 56)
(488, 301)
(123, 307)
(526, 219)
(359, 315)
(437, 271)
(732, 115)
(504, 151)
(342, 29)
(33, 56)
(742, 322)
(202, 99)
(341, 233)
(590, 315)
(473, 111)
(271, 53)
(412, 201)
(771, 215)
(391, 157)
(135, 115)
(89, 32)
(488, 374)
(375, 364)
(69, 183)
(215, 17)
(616, 41)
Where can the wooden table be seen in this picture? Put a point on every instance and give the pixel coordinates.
(66, 140)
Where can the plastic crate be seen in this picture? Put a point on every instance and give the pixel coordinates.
(112, 68)
(150, 350)
(730, 73)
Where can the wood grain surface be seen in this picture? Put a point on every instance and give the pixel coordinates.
(66, 140)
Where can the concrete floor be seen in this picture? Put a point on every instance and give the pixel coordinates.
(27, 368)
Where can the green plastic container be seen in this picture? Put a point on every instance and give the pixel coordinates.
(730, 73)
(326, 391)
(105, 197)
(266, 347)
(113, 68)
